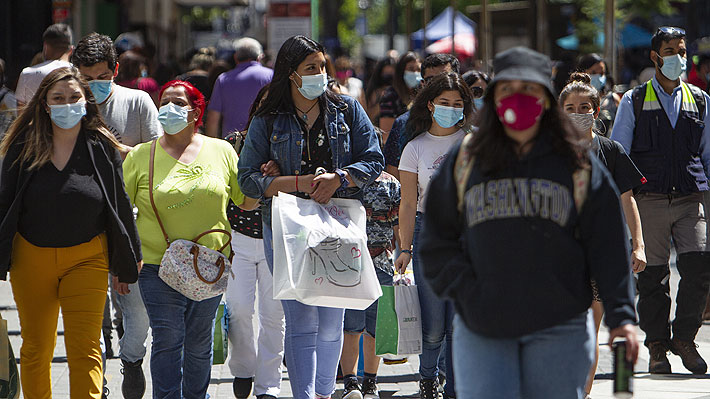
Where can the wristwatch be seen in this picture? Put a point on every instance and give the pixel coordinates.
(344, 182)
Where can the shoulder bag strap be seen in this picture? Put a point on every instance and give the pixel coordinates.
(151, 168)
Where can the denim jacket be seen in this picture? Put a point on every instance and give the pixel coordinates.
(354, 148)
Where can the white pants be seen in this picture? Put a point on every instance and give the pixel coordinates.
(259, 357)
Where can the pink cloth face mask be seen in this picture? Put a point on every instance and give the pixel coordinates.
(519, 111)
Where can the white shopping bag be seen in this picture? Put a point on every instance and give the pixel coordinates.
(320, 253)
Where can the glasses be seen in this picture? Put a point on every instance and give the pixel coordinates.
(477, 91)
(671, 30)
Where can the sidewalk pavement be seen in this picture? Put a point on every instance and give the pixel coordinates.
(397, 381)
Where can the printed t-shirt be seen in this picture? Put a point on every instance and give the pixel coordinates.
(131, 116)
(191, 198)
(423, 155)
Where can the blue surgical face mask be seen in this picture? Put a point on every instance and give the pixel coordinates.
(673, 66)
(412, 79)
(101, 89)
(173, 118)
(67, 116)
(313, 86)
(598, 81)
(447, 117)
(478, 103)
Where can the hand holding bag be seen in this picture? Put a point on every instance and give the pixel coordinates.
(187, 267)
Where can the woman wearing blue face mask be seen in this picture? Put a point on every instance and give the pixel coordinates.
(396, 99)
(67, 223)
(303, 126)
(593, 65)
(194, 177)
(436, 117)
(478, 82)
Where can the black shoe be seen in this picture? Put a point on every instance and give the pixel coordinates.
(658, 362)
(429, 389)
(133, 385)
(242, 387)
(109, 347)
(352, 389)
(369, 389)
(690, 356)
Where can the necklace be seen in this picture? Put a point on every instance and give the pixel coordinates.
(304, 115)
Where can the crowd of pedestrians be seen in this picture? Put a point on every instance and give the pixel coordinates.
(524, 213)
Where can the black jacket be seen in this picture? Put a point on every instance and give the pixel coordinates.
(123, 242)
(523, 260)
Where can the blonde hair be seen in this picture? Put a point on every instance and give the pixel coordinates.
(33, 128)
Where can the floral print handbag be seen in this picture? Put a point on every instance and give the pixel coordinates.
(189, 268)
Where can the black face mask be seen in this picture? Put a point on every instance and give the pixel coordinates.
(387, 79)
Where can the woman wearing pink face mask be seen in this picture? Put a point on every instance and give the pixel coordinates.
(516, 251)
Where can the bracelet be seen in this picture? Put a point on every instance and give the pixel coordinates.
(296, 183)
(407, 251)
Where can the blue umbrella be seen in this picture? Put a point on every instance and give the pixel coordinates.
(632, 36)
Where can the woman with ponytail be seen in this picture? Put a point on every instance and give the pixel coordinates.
(580, 100)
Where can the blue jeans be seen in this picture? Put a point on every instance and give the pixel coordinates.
(437, 324)
(313, 341)
(181, 356)
(549, 364)
(135, 325)
(357, 321)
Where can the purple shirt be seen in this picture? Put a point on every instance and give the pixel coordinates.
(235, 91)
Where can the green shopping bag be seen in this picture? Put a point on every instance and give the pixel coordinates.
(399, 328)
(221, 325)
(9, 377)
(386, 330)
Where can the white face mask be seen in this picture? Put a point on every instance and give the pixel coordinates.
(584, 122)
(173, 118)
(313, 86)
(673, 66)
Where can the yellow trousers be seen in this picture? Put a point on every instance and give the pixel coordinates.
(43, 281)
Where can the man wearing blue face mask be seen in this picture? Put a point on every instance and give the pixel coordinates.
(132, 117)
(96, 58)
(664, 126)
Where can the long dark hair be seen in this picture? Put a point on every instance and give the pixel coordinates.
(292, 53)
(495, 151)
(376, 80)
(420, 115)
(398, 83)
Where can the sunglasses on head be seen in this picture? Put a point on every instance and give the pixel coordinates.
(477, 91)
(671, 30)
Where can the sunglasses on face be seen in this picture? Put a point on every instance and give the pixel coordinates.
(477, 91)
(671, 30)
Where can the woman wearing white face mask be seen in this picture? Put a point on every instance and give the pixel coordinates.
(581, 103)
(435, 119)
(303, 126)
(67, 223)
(194, 177)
